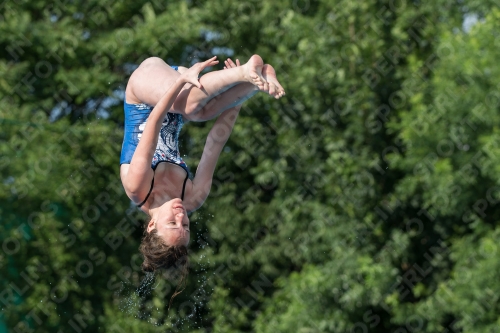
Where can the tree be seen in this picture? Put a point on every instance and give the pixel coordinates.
(350, 205)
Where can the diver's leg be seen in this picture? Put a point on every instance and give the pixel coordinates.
(149, 82)
(154, 77)
(191, 100)
(230, 98)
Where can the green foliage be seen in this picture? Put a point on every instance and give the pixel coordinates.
(365, 200)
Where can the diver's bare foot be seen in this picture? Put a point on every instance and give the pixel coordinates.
(253, 72)
(275, 88)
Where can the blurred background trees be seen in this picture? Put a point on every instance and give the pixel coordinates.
(363, 201)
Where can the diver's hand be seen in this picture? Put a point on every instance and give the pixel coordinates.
(230, 64)
(191, 75)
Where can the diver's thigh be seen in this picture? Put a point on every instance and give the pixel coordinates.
(150, 81)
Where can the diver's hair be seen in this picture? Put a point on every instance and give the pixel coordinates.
(158, 255)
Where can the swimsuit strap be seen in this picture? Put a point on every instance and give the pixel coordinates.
(149, 193)
(153, 182)
(184, 186)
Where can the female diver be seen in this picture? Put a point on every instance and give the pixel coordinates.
(158, 100)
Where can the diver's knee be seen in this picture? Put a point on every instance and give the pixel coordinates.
(151, 61)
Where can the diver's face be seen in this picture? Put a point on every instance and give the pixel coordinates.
(172, 224)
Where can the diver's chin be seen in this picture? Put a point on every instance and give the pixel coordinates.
(176, 203)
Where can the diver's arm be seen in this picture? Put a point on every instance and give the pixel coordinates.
(217, 138)
(138, 180)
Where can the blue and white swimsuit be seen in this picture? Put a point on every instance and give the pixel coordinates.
(167, 148)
